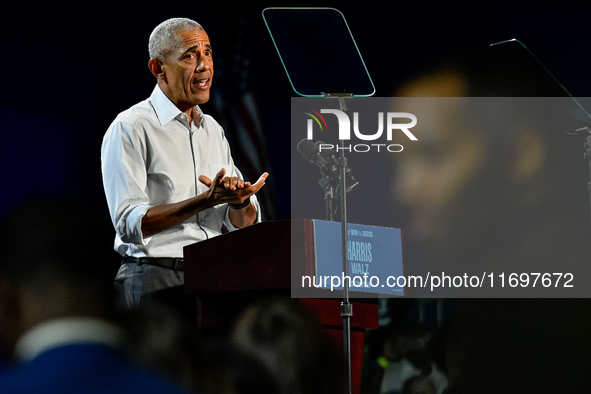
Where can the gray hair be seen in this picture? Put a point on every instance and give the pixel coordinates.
(165, 36)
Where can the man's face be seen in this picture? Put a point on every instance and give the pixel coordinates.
(434, 175)
(189, 70)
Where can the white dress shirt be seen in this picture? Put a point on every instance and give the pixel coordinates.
(66, 331)
(151, 156)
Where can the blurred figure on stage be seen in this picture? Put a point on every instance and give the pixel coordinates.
(492, 184)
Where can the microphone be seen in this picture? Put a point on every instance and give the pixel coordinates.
(327, 160)
(312, 153)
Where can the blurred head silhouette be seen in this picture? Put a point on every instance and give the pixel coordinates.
(488, 177)
(51, 265)
(291, 344)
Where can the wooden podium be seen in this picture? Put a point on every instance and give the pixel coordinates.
(229, 272)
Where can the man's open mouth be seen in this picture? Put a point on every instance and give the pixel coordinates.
(201, 83)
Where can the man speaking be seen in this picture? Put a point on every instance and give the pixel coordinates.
(168, 173)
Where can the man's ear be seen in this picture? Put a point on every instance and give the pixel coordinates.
(156, 69)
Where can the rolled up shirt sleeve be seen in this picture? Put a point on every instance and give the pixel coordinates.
(123, 157)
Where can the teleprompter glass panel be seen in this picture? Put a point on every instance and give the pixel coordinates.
(526, 76)
(318, 52)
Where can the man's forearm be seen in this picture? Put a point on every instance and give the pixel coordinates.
(162, 217)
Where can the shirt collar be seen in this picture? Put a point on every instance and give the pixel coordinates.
(65, 331)
(165, 109)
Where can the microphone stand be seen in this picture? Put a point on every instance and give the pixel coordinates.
(329, 195)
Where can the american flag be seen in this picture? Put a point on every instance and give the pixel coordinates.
(236, 108)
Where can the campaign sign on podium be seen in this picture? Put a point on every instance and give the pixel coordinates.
(374, 257)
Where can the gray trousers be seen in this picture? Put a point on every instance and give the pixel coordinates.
(140, 286)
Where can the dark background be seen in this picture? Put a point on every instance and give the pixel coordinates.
(68, 70)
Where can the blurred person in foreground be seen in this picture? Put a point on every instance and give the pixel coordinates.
(488, 186)
(289, 341)
(405, 355)
(57, 305)
(225, 368)
(416, 325)
(168, 172)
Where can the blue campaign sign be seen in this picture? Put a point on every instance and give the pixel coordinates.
(374, 256)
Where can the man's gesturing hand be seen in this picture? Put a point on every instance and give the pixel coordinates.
(230, 189)
(221, 190)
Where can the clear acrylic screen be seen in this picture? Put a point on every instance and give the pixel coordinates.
(318, 51)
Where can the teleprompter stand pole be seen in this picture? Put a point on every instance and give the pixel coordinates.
(346, 306)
